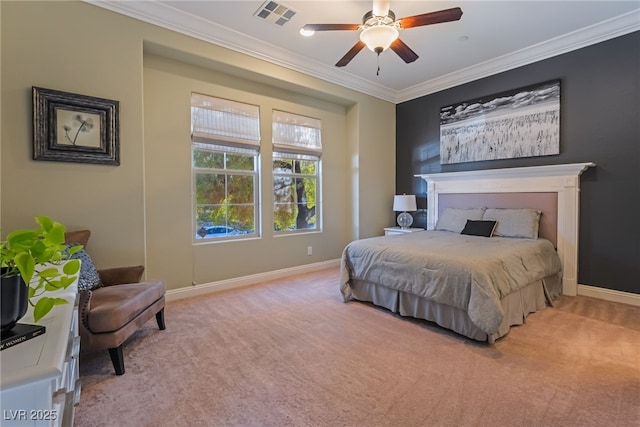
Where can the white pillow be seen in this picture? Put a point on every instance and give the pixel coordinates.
(454, 219)
(515, 222)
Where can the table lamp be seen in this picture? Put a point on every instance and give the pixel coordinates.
(404, 203)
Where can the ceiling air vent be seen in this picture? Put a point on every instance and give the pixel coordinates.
(275, 12)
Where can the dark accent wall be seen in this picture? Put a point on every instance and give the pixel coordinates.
(599, 122)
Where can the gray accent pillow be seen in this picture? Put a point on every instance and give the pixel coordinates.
(515, 222)
(454, 219)
(89, 278)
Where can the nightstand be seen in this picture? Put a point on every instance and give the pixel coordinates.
(390, 231)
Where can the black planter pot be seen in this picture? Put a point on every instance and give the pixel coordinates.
(14, 300)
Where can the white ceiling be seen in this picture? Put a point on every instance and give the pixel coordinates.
(500, 35)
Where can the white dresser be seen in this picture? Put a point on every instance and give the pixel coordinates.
(40, 377)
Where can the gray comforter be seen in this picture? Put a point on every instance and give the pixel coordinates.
(467, 272)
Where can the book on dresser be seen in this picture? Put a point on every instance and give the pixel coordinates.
(20, 333)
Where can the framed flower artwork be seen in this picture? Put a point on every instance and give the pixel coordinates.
(68, 127)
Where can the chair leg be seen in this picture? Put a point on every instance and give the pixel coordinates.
(160, 319)
(117, 359)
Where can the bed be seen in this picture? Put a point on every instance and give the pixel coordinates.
(472, 284)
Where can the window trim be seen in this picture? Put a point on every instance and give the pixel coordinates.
(289, 150)
(319, 224)
(225, 144)
(256, 197)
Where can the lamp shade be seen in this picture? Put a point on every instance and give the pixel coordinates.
(404, 203)
(379, 37)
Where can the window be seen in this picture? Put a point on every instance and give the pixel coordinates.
(297, 149)
(225, 144)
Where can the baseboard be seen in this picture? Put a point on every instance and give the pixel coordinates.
(239, 282)
(609, 295)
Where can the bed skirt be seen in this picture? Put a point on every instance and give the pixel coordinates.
(516, 306)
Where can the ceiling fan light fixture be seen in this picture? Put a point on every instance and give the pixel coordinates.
(379, 37)
(379, 30)
(305, 32)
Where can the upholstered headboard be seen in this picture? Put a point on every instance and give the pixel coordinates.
(547, 203)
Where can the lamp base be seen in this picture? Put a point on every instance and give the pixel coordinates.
(405, 220)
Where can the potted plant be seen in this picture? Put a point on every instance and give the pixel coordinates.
(32, 260)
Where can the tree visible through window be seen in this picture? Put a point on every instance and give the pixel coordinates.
(296, 172)
(225, 147)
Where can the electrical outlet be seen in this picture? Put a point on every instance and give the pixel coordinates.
(309, 250)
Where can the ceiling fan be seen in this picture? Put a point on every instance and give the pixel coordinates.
(380, 30)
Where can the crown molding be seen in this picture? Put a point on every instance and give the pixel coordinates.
(165, 16)
(605, 30)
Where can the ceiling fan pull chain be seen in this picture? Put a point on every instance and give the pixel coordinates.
(378, 70)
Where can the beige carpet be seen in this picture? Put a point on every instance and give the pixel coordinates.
(291, 353)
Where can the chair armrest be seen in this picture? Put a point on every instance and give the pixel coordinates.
(121, 275)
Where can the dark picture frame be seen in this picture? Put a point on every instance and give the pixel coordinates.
(523, 122)
(68, 127)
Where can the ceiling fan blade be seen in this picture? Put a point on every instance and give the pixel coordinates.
(403, 51)
(350, 55)
(331, 27)
(380, 7)
(446, 15)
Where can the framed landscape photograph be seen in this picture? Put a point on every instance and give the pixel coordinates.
(68, 127)
(524, 122)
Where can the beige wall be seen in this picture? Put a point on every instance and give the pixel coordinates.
(140, 211)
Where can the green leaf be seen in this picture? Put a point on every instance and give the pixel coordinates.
(74, 249)
(66, 281)
(21, 240)
(53, 285)
(26, 265)
(38, 285)
(43, 306)
(45, 222)
(59, 301)
(71, 267)
(55, 235)
(38, 251)
(49, 272)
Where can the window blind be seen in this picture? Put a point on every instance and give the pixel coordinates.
(224, 122)
(293, 133)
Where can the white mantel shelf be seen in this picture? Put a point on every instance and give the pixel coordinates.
(569, 170)
(563, 179)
